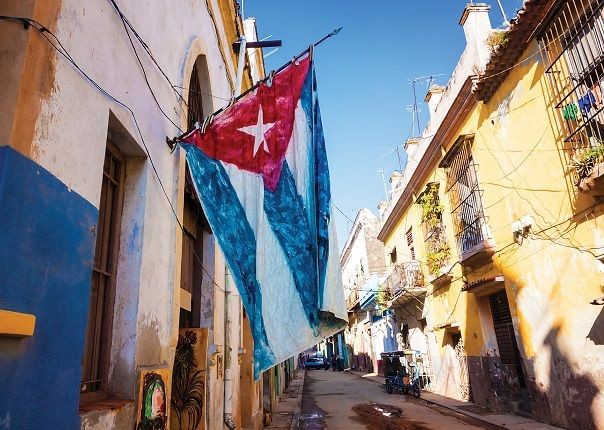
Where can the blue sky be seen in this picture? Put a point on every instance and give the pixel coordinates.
(364, 77)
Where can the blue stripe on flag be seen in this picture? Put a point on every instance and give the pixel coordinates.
(322, 193)
(237, 241)
(305, 241)
(287, 216)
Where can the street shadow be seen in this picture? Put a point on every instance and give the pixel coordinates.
(574, 409)
(596, 334)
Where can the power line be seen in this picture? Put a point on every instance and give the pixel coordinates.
(202, 93)
(145, 47)
(152, 57)
(61, 50)
(340, 210)
(126, 25)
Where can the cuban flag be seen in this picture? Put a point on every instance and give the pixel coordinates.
(260, 170)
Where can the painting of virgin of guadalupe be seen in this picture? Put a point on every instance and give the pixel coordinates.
(152, 408)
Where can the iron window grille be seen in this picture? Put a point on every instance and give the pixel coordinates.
(572, 47)
(469, 223)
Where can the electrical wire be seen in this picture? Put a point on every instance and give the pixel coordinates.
(340, 210)
(220, 46)
(124, 20)
(202, 93)
(59, 47)
(146, 48)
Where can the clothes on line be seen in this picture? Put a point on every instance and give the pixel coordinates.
(586, 103)
(570, 111)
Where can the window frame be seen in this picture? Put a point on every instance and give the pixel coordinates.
(571, 41)
(193, 247)
(108, 307)
(460, 168)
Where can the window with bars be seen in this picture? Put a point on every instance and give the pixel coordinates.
(195, 104)
(465, 195)
(98, 330)
(409, 235)
(572, 47)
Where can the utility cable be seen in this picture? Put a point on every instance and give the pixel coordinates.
(152, 57)
(145, 47)
(123, 19)
(61, 50)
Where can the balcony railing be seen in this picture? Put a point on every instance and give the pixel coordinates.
(352, 299)
(472, 234)
(407, 276)
(572, 47)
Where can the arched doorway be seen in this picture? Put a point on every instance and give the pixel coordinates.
(189, 380)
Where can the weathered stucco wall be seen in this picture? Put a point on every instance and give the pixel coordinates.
(55, 118)
(522, 166)
(549, 281)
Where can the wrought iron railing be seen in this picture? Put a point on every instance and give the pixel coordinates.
(469, 222)
(572, 47)
(352, 299)
(406, 276)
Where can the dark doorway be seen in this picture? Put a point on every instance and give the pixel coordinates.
(506, 342)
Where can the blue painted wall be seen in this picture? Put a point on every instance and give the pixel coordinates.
(47, 237)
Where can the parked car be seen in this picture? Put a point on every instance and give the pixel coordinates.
(315, 363)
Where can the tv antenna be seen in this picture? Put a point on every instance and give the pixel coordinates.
(384, 182)
(430, 80)
(398, 154)
(505, 18)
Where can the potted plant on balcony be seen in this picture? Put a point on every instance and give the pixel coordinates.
(589, 166)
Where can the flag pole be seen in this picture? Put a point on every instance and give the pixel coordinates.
(171, 142)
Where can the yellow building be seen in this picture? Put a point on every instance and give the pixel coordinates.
(502, 206)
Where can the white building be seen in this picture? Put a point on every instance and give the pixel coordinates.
(89, 188)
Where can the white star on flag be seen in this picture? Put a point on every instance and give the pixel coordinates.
(258, 131)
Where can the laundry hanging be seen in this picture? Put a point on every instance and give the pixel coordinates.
(586, 103)
(261, 173)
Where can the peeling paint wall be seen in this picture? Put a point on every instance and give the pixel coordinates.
(549, 282)
(522, 166)
(522, 170)
(55, 119)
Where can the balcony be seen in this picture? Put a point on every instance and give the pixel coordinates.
(475, 245)
(406, 279)
(352, 300)
(573, 54)
(590, 171)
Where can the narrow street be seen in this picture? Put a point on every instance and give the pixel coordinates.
(338, 400)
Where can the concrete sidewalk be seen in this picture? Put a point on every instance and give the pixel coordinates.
(505, 421)
(287, 411)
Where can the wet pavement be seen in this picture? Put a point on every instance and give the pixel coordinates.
(338, 400)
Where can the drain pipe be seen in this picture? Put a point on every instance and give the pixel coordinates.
(228, 352)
